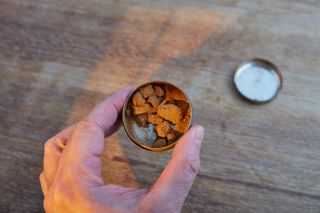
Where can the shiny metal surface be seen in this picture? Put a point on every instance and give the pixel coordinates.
(258, 80)
(131, 132)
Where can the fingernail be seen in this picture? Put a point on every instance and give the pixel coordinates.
(199, 134)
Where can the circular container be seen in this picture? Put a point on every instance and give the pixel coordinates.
(128, 121)
(258, 80)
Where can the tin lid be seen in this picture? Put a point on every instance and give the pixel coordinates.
(258, 80)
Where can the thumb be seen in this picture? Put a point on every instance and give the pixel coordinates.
(178, 176)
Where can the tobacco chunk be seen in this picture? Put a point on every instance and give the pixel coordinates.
(137, 99)
(144, 108)
(146, 91)
(154, 119)
(153, 110)
(174, 94)
(158, 91)
(160, 143)
(184, 106)
(172, 136)
(170, 112)
(182, 126)
(162, 129)
(154, 100)
(142, 120)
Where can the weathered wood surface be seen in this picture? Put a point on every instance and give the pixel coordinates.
(59, 58)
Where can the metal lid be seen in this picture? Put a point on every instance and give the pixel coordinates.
(258, 80)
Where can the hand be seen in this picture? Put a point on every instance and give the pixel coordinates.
(71, 180)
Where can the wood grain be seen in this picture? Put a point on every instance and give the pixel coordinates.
(59, 58)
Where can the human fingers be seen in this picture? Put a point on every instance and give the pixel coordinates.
(172, 187)
(107, 114)
(52, 153)
(81, 155)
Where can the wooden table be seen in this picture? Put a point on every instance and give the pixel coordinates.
(59, 58)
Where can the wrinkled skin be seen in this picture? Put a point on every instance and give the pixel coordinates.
(72, 182)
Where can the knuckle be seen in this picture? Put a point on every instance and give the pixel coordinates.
(192, 165)
(84, 124)
(48, 145)
(87, 126)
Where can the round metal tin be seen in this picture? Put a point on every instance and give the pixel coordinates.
(258, 80)
(130, 132)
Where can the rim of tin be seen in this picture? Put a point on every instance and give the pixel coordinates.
(267, 64)
(124, 123)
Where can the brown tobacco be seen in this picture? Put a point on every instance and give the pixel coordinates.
(170, 112)
(163, 106)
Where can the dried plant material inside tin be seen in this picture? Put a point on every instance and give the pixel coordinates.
(158, 114)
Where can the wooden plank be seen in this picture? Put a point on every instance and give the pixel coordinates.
(58, 59)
